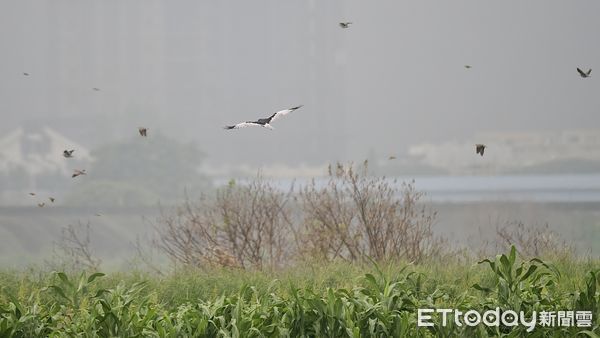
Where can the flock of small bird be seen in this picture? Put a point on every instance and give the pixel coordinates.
(480, 148)
(42, 204)
(78, 172)
(262, 122)
(266, 122)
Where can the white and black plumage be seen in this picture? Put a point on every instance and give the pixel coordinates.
(345, 24)
(480, 148)
(265, 122)
(68, 153)
(584, 74)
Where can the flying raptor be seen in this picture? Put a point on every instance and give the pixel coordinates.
(77, 172)
(584, 74)
(68, 153)
(480, 148)
(265, 122)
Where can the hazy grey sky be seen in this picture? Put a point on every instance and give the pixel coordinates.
(395, 78)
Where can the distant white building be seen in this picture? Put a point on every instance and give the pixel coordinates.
(32, 160)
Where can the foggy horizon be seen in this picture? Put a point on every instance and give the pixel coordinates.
(395, 79)
(409, 86)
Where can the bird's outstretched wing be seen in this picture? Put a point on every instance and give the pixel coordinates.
(243, 125)
(581, 72)
(77, 172)
(589, 72)
(282, 113)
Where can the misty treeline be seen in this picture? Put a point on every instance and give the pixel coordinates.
(352, 217)
(140, 171)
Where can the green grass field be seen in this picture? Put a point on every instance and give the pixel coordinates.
(310, 300)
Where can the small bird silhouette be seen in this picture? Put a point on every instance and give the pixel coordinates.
(480, 148)
(96, 89)
(77, 172)
(584, 74)
(52, 199)
(468, 66)
(26, 74)
(32, 193)
(41, 205)
(345, 24)
(68, 153)
(392, 158)
(143, 131)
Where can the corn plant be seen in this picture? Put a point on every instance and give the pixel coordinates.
(376, 304)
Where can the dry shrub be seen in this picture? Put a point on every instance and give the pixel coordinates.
(73, 251)
(244, 225)
(145, 257)
(531, 241)
(355, 216)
